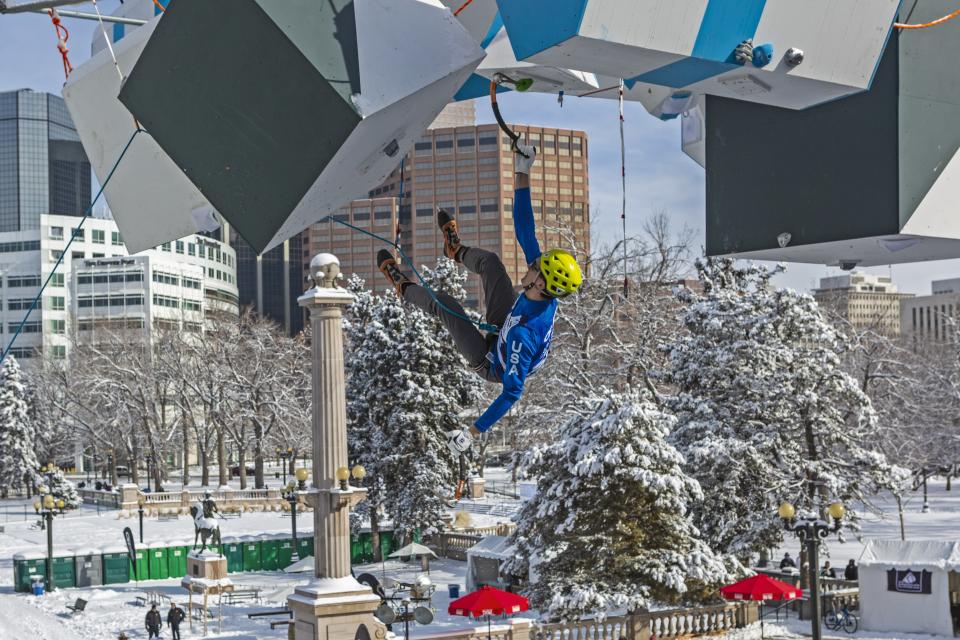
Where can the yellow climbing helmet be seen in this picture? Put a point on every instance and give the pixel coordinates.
(561, 272)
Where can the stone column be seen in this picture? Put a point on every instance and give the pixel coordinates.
(334, 606)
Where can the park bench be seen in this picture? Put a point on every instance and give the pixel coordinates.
(241, 595)
(199, 612)
(164, 517)
(230, 514)
(152, 597)
(77, 606)
(271, 612)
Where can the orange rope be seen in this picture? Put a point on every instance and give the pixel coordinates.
(925, 25)
(157, 4)
(455, 13)
(62, 36)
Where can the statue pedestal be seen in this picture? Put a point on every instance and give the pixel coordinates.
(206, 566)
(335, 609)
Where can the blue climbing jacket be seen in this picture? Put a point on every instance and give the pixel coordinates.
(528, 330)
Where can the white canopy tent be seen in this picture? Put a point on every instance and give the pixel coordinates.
(910, 586)
(484, 560)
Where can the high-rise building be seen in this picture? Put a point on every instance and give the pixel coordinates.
(933, 317)
(866, 301)
(270, 283)
(456, 114)
(98, 286)
(469, 171)
(43, 168)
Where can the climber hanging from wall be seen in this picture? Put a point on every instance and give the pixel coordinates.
(525, 322)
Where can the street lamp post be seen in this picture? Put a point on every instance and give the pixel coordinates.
(47, 508)
(140, 503)
(284, 456)
(292, 496)
(811, 531)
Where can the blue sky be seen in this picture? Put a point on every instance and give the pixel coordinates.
(659, 176)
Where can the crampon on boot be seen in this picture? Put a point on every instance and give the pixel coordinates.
(451, 234)
(389, 267)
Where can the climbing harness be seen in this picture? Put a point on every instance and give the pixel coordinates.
(927, 25)
(86, 214)
(405, 259)
(62, 36)
(623, 188)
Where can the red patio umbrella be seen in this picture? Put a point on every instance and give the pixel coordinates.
(760, 587)
(487, 601)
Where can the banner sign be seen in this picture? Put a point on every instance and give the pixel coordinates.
(131, 548)
(909, 581)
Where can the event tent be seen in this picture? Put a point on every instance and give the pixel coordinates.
(910, 586)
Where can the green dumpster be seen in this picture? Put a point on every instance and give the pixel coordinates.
(387, 545)
(116, 564)
(251, 553)
(143, 568)
(305, 545)
(64, 570)
(284, 552)
(233, 550)
(157, 559)
(176, 559)
(269, 546)
(29, 563)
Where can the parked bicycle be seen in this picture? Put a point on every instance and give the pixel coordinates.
(842, 619)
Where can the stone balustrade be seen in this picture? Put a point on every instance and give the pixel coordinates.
(127, 500)
(670, 623)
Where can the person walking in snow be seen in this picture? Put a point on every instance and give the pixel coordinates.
(174, 617)
(525, 322)
(153, 622)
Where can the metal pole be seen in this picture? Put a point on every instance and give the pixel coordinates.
(293, 520)
(48, 516)
(141, 523)
(813, 541)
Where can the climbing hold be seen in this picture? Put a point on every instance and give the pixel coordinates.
(762, 55)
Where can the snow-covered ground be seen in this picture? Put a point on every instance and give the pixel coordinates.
(113, 609)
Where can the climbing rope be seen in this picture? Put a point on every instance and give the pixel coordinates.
(86, 214)
(405, 259)
(455, 13)
(927, 25)
(157, 4)
(396, 241)
(106, 38)
(623, 189)
(62, 36)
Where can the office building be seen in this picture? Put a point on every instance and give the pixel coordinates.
(98, 286)
(865, 301)
(270, 283)
(932, 318)
(469, 172)
(43, 168)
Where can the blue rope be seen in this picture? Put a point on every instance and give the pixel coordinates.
(483, 326)
(86, 214)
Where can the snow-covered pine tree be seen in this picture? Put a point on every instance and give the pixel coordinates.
(406, 383)
(764, 411)
(61, 488)
(609, 527)
(371, 327)
(18, 459)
